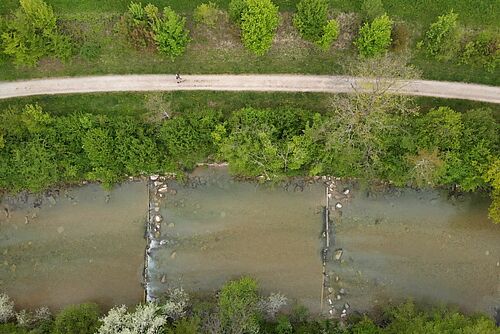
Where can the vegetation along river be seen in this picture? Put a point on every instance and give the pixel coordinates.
(87, 244)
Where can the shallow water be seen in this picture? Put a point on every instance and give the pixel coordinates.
(421, 245)
(225, 229)
(77, 247)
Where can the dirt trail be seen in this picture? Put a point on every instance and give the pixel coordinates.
(223, 82)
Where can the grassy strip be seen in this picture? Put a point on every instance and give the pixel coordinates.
(219, 50)
(144, 105)
(484, 13)
(140, 104)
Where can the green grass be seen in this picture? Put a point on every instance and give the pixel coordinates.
(144, 105)
(220, 50)
(479, 13)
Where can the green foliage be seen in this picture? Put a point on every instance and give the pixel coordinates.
(283, 325)
(78, 319)
(170, 34)
(207, 13)
(441, 41)
(483, 49)
(330, 35)
(365, 326)
(262, 142)
(188, 137)
(167, 31)
(32, 33)
(311, 18)
(238, 306)
(259, 22)
(493, 177)
(407, 319)
(375, 38)
(236, 9)
(185, 326)
(12, 329)
(440, 128)
(372, 9)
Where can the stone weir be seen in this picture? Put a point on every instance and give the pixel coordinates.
(333, 294)
(157, 191)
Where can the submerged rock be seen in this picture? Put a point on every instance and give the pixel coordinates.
(338, 254)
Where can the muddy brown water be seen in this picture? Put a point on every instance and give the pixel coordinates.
(86, 246)
(225, 229)
(396, 245)
(422, 245)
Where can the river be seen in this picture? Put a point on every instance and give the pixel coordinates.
(396, 244)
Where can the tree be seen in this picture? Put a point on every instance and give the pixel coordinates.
(330, 34)
(188, 137)
(145, 319)
(259, 22)
(170, 34)
(441, 41)
(32, 33)
(375, 38)
(78, 319)
(261, 142)
(364, 134)
(311, 18)
(493, 177)
(238, 305)
(98, 144)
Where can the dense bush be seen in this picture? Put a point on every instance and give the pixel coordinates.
(170, 34)
(188, 138)
(441, 41)
(261, 142)
(311, 18)
(236, 10)
(32, 33)
(166, 30)
(482, 49)
(259, 22)
(238, 306)
(330, 35)
(78, 319)
(207, 13)
(375, 38)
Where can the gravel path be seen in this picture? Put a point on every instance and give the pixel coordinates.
(223, 82)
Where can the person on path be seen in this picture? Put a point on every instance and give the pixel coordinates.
(178, 78)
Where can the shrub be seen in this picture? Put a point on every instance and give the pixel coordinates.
(374, 38)
(146, 318)
(259, 23)
(6, 308)
(283, 325)
(236, 9)
(330, 35)
(441, 41)
(237, 306)
(32, 33)
(78, 319)
(372, 9)
(170, 34)
(400, 37)
(311, 18)
(206, 14)
(483, 49)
